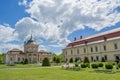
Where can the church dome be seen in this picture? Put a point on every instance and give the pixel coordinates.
(30, 41)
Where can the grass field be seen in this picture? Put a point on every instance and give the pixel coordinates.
(52, 73)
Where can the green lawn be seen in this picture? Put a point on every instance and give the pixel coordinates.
(53, 73)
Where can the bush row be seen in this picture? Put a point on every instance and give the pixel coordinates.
(96, 65)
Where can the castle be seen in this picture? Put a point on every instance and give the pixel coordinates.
(30, 53)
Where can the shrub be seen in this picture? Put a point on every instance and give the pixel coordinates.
(87, 64)
(119, 65)
(100, 64)
(71, 60)
(113, 63)
(103, 59)
(94, 65)
(76, 65)
(83, 65)
(45, 62)
(108, 66)
(86, 60)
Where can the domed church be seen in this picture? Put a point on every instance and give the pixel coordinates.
(30, 53)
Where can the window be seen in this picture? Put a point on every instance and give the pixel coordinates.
(66, 59)
(71, 52)
(91, 49)
(77, 51)
(23, 59)
(96, 48)
(84, 50)
(105, 56)
(97, 58)
(104, 47)
(91, 58)
(115, 46)
(11, 59)
(30, 59)
(18, 59)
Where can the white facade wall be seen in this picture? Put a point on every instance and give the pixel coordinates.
(110, 51)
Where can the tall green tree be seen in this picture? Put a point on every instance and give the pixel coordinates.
(54, 58)
(103, 59)
(46, 62)
(57, 60)
(86, 60)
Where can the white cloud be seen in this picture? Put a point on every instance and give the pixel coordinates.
(7, 33)
(42, 47)
(23, 2)
(4, 47)
(55, 20)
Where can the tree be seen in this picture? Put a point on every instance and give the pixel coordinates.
(71, 60)
(60, 56)
(1, 58)
(103, 59)
(54, 59)
(45, 62)
(76, 59)
(86, 60)
(57, 60)
(25, 61)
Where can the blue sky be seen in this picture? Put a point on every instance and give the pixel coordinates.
(54, 23)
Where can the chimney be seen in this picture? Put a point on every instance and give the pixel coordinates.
(105, 38)
(75, 39)
(80, 37)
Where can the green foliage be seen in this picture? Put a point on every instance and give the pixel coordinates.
(86, 60)
(57, 60)
(76, 65)
(103, 59)
(76, 59)
(94, 65)
(109, 66)
(25, 61)
(45, 62)
(60, 56)
(83, 65)
(71, 60)
(1, 58)
(119, 64)
(54, 59)
(88, 65)
(100, 64)
(113, 63)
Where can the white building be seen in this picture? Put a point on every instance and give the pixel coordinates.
(106, 44)
(30, 53)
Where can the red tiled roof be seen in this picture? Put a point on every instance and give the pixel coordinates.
(15, 49)
(42, 51)
(102, 36)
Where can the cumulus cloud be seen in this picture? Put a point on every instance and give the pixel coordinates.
(59, 18)
(7, 33)
(4, 47)
(55, 20)
(24, 3)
